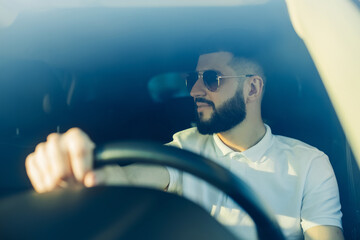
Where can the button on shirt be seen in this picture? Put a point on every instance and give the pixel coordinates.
(294, 180)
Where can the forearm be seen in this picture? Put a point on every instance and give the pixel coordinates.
(148, 175)
(324, 232)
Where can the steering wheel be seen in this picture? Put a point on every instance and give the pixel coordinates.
(199, 166)
(132, 212)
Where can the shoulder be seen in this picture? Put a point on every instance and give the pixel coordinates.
(190, 133)
(287, 143)
(297, 151)
(190, 139)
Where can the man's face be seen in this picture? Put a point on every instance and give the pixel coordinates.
(221, 110)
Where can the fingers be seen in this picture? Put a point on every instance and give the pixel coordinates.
(80, 152)
(44, 167)
(57, 157)
(109, 175)
(61, 157)
(48, 164)
(34, 174)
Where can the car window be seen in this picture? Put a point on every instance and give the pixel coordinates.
(117, 72)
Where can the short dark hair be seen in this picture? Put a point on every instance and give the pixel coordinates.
(247, 66)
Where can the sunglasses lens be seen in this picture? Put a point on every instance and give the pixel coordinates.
(211, 80)
(191, 79)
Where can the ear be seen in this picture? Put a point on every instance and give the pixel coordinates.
(254, 89)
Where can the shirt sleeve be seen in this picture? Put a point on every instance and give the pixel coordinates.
(321, 202)
(175, 184)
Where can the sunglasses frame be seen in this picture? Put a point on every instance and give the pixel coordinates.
(218, 77)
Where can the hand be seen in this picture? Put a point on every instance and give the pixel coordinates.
(65, 158)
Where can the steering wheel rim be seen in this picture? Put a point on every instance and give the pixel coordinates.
(199, 166)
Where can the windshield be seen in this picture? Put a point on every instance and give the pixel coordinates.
(117, 71)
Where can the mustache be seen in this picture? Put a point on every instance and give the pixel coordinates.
(196, 100)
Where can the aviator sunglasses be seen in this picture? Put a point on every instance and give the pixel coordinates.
(210, 78)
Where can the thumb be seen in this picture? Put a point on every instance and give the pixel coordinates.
(109, 175)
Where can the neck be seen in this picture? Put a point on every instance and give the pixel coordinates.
(244, 135)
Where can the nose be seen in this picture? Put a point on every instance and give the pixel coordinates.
(199, 89)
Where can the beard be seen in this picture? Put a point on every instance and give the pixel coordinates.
(228, 115)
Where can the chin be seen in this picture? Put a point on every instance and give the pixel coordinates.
(204, 116)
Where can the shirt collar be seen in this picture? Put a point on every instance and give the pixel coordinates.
(254, 153)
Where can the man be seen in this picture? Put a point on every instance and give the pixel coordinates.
(294, 179)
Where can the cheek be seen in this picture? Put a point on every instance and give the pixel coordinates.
(231, 86)
(226, 92)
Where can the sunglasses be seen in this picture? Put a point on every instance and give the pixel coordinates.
(210, 78)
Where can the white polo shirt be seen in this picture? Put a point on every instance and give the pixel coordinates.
(295, 180)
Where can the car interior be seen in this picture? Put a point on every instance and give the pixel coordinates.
(117, 73)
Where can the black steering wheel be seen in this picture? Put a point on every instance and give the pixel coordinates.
(201, 167)
(131, 212)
